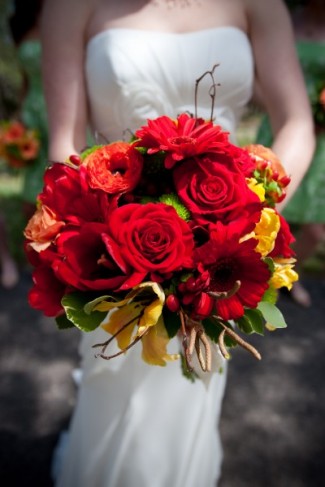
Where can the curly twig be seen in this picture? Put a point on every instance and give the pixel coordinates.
(212, 91)
(247, 346)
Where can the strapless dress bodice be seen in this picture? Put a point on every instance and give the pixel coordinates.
(135, 75)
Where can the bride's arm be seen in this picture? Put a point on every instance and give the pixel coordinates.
(281, 85)
(62, 34)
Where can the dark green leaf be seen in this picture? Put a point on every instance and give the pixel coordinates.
(63, 323)
(256, 320)
(245, 325)
(172, 322)
(213, 329)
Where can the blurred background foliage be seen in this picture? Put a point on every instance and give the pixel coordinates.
(10, 93)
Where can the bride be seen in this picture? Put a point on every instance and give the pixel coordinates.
(110, 66)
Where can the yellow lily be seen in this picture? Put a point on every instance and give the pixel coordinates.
(141, 308)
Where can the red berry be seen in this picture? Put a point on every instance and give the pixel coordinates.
(172, 303)
(75, 159)
(191, 284)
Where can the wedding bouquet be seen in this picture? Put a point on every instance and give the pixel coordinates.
(174, 232)
(19, 145)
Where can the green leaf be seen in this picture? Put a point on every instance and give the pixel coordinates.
(245, 325)
(270, 264)
(89, 151)
(272, 314)
(270, 295)
(251, 322)
(172, 322)
(63, 323)
(74, 306)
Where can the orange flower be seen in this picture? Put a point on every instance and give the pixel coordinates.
(265, 155)
(114, 168)
(29, 147)
(42, 228)
(13, 133)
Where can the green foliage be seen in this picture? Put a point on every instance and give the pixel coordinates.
(74, 306)
(213, 329)
(270, 295)
(172, 322)
(251, 322)
(173, 200)
(63, 323)
(272, 315)
(89, 151)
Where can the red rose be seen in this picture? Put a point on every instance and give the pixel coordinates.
(149, 240)
(213, 192)
(114, 168)
(67, 193)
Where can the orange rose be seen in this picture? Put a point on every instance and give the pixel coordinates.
(114, 168)
(42, 228)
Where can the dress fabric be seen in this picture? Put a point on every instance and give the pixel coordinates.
(308, 203)
(137, 425)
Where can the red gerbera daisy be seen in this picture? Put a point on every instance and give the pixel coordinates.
(181, 138)
(227, 261)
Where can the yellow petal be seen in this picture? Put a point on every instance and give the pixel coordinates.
(284, 275)
(154, 344)
(127, 317)
(257, 188)
(266, 231)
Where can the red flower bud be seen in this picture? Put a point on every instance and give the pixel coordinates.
(281, 197)
(191, 284)
(172, 303)
(203, 306)
(285, 180)
(75, 159)
(275, 175)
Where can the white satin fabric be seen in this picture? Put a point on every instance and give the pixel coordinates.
(137, 425)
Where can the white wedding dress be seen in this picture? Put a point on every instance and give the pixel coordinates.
(137, 425)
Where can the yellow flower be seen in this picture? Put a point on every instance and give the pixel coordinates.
(257, 188)
(141, 308)
(284, 275)
(265, 231)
